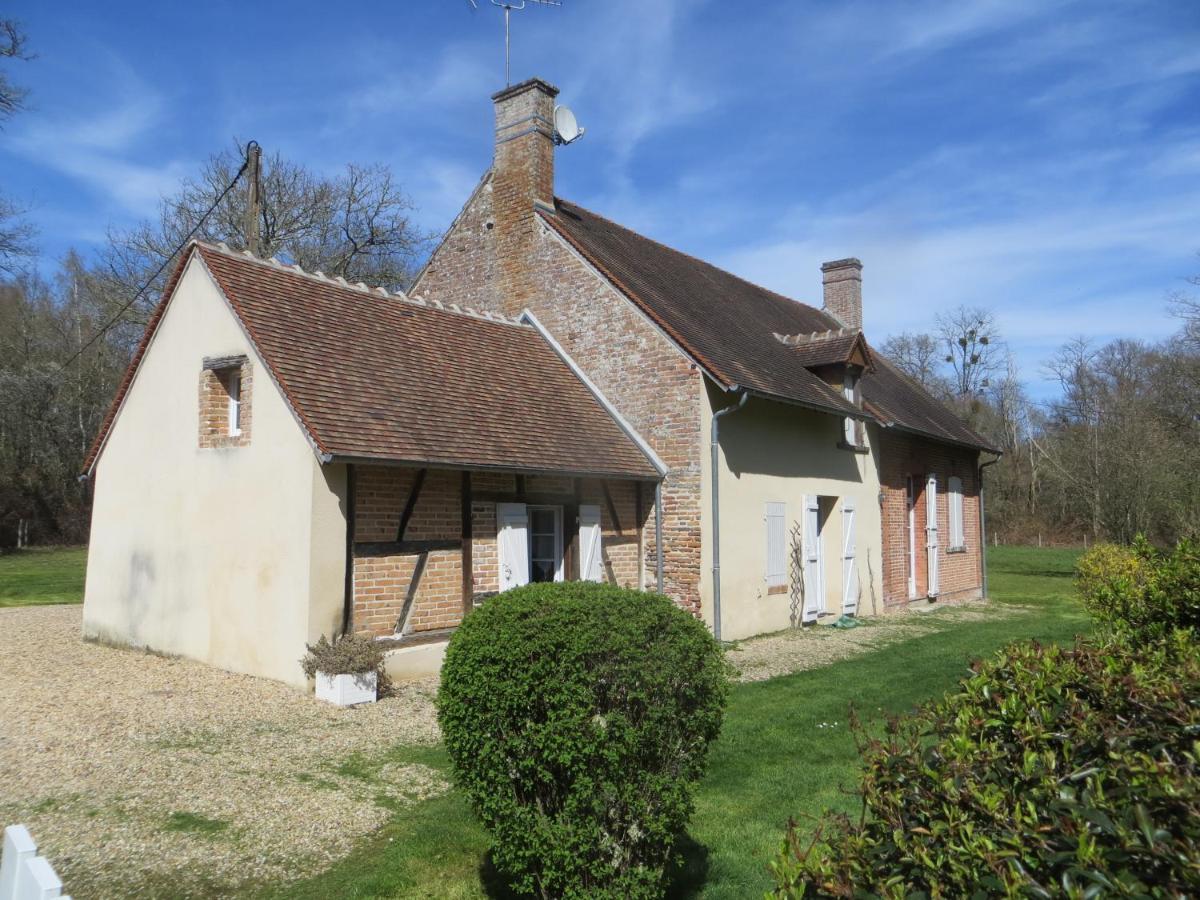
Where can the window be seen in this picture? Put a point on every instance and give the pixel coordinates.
(954, 498)
(226, 388)
(852, 427)
(776, 574)
(233, 384)
(545, 543)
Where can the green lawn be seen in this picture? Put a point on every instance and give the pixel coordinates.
(772, 760)
(42, 575)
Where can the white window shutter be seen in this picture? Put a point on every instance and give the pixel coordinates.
(811, 539)
(849, 563)
(775, 516)
(590, 568)
(931, 536)
(512, 540)
(957, 537)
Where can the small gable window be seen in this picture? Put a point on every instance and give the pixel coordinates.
(852, 428)
(225, 402)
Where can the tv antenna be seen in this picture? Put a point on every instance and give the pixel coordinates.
(508, 6)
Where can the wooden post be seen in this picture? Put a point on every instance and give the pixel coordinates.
(253, 197)
(468, 562)
(571, 533)
(640, 524)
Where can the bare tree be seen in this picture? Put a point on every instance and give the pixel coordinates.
(972, 350)
(357, 225)
(919, 357)
(16, 234)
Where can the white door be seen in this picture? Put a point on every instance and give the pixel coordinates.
(931, 534)
(590, 561)
(849, 564)
(512, 529)
(912, 537)
(814, 588)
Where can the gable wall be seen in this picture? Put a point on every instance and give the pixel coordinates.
(960, 572)
(655, 387)
(233, 555)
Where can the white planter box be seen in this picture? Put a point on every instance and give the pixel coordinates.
(347, 690)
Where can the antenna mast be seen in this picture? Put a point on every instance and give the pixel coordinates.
(508, 6)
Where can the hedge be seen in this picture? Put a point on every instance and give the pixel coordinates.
(578, 718)
(1052, 772)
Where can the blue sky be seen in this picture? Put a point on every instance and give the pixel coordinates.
(1038, 158)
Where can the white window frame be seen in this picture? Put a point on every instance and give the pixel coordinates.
(850, 392)
(954, 499)
(234, 413)
(775, 570)
(558, 538)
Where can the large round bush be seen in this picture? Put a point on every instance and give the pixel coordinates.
(578, 717)
(1052, 773)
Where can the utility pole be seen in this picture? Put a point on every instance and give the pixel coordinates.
(253, 197)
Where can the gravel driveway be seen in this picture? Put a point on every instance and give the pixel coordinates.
(142, 775)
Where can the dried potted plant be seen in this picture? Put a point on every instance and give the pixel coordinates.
(348, 669)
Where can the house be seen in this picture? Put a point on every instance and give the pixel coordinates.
(824, 479)
(557, 397)
(290, 455)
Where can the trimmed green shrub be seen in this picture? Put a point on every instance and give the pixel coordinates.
(1052, 773)
(578, 717)
(1140, 592)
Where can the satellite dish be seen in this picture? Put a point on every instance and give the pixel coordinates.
(566, 129)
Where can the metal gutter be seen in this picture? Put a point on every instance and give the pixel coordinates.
(983, 525)
(716, 506)
(658, 547)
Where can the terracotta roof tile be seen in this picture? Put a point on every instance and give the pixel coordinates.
(378, 376)
(728, 325)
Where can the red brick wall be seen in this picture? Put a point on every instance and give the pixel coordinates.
(960, 573)
(649, 381)
(381, 581)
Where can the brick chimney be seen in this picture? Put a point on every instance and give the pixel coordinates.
(842, 280)
(522, 172)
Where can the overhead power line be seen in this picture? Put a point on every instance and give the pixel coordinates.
(104, 329)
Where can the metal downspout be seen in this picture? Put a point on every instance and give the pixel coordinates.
(716, 509)
(983, 527)
(658, 548)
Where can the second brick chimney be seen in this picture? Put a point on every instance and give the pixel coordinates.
(842, 280)
(522, 173)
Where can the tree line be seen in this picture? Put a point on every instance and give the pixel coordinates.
(1112, 454)
(66, 337)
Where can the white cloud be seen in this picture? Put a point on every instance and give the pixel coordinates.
(98, 145)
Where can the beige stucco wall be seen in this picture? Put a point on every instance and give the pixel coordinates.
(775, 452)
(231, 556)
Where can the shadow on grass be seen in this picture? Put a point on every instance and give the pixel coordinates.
(685, 879)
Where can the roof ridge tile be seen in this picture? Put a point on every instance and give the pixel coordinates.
(360, 286)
